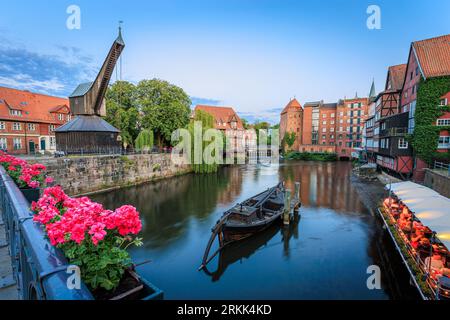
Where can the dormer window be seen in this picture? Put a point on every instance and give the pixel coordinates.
(60, 116)
(17, 113)
(234, 124)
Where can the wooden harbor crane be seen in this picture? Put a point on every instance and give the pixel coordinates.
(88, 132)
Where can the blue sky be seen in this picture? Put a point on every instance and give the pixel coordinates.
(252, 55)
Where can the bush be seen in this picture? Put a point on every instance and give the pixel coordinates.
(310, 156)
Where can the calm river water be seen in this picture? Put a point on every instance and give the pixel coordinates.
(323, 255)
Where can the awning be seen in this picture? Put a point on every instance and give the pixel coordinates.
(431, 208)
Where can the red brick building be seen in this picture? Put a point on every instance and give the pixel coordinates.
(326, 127)
(28, 120)
(291, 120)
(227, 120)
(429, 58)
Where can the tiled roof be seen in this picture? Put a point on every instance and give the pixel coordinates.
(222, 116)
(434, 56)
(293, 104)
(34, 107)
(397, 75)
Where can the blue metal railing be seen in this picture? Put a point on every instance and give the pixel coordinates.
(39, 268)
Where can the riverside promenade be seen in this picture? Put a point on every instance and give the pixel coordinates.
(8, 288)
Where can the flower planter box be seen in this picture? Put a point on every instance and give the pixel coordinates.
(131, 287)
(31, 194)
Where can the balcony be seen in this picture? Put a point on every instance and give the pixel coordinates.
(394, 132)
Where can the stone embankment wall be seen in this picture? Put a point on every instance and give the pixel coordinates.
(88, 174)
(440, 182)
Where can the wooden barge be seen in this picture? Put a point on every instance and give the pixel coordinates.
(253, 216)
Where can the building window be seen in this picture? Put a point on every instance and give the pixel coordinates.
(341, 129)
(411, 122)
(332, 129)
(52, 142)
(17, 126)
(332, 121)
(3, 143)
(383, 125)
(17, 113)
(440, 122)
(324, 122)
(324, 137)
(324, 129)
(387, 143)
(61, 116)
(31, 127)
(443, 102)
(2, 125)
(324, 115)
(332, 115)
(341, 113)
(444, 142)
(17, 143)
(402, 143)
(52, 127)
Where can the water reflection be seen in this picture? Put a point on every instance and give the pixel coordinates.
(324, 255)
(168, 204)
(243, 250)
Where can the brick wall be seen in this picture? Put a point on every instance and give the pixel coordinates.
(96, 173)
(438, 182)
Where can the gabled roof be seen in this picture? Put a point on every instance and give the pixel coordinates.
(372, 92)
(397, 75)
(433, 56)
(34, 106)
(87, 123)
(222, 116)
(293, 104)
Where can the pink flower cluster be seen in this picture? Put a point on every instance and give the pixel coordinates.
(79, 219)
(25, 174)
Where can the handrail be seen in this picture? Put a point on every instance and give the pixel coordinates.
(39, 268)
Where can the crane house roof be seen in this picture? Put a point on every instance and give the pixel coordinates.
(89, 123)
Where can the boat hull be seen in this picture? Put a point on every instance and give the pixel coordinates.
(235, 233)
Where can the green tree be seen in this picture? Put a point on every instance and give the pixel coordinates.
(164, 107)
(121, 111)
(245, 123)
(144, 140)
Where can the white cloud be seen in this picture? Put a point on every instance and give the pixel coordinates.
(26, 82)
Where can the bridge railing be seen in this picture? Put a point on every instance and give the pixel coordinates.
(40, 269)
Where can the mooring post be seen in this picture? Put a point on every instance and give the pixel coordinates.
(287, 207)
(297, 197)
